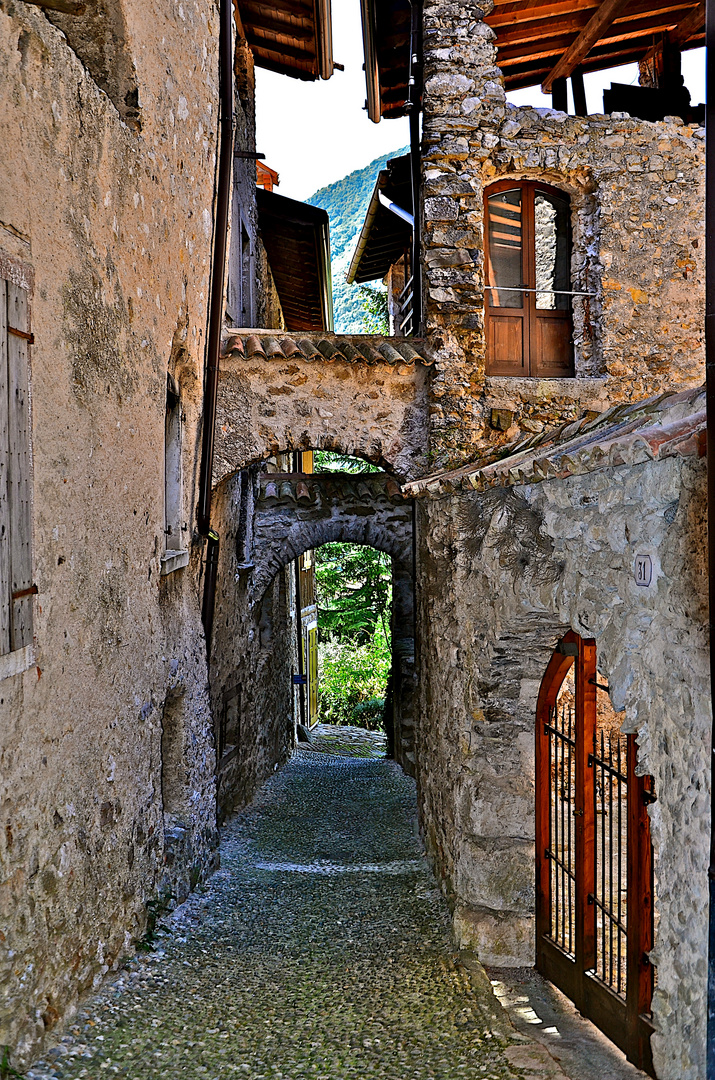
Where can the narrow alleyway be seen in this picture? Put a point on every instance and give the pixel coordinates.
(320, 949)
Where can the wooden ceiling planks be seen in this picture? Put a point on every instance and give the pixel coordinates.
(296, 237)
(532, 37)
(293, 37)
(538, 42)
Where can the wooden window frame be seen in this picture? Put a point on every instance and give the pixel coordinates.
(533, 320)
(176, 554)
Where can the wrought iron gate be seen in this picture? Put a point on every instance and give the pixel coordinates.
(594, 910)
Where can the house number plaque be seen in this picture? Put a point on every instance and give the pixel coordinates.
(643, 570)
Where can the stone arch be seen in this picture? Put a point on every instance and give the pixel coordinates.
(376, 412)
(295, 515)
(306, 536)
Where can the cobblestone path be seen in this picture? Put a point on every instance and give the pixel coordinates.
(321, 949)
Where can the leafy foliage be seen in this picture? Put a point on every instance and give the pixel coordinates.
(376, 319)
(354, 586)
(352, 681)
(327, 461)
(354, 591)
(6, 1069)
(347, 201)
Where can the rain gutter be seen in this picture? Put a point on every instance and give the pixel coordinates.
(414, 106)
(710, 407)
(390, 205)
(215, 315)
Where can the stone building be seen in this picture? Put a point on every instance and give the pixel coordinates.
(548, 450)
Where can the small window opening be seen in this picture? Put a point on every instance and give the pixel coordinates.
(528, 293)
(172, 468)
(241, 288)
(229, 728)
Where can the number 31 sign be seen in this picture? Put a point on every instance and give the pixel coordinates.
(643, 570)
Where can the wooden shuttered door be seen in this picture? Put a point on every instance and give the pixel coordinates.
(528, 296)
(16, 608)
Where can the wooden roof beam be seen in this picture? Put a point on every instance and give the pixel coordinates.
(514, 13)
(579, 49)
(639, 13)
(692, 24)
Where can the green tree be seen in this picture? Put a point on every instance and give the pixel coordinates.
(354, 587)
(376, 319)
(327, 461)
(354, 593)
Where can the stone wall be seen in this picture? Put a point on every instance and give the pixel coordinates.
(266, 521)
(502, 575)
(254, 650)
(107, 786)
(637, 197)
(378, 412)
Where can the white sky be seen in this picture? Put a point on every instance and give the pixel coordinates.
(316, 133)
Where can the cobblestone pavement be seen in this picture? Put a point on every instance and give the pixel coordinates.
(320, 949)
(348, 741)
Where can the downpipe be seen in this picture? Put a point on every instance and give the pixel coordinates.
(710, 403)
(215, 315)
(414, 104)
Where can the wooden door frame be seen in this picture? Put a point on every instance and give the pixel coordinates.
(528, 313)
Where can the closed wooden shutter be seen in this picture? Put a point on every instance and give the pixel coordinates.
(5, 598)
(16, 629)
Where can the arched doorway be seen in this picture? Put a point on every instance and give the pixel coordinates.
(594, 862)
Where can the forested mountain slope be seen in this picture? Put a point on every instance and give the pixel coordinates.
(347, 201)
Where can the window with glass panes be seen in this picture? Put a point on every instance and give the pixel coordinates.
(528, 295)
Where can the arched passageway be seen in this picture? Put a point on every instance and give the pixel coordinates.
(267, 521)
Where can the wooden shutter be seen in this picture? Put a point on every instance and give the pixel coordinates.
(5, 597)
(19, 467)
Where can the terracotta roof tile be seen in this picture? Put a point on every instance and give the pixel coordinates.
(664, 426)
(326, 348)
(310, 487)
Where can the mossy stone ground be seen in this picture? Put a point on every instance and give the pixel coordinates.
(320, 949)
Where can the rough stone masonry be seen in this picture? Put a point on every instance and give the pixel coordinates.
(637, 198)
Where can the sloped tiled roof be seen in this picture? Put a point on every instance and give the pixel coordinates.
(307, 488)
(659, 427)
(323, 347)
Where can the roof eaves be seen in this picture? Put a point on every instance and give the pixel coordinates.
(372, 212)
(588, 447)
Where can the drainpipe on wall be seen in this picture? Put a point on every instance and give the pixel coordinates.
(297, 467)
(414, 101)
(215, 315)
(710, 400)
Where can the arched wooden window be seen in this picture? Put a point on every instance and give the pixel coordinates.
(528, 294)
